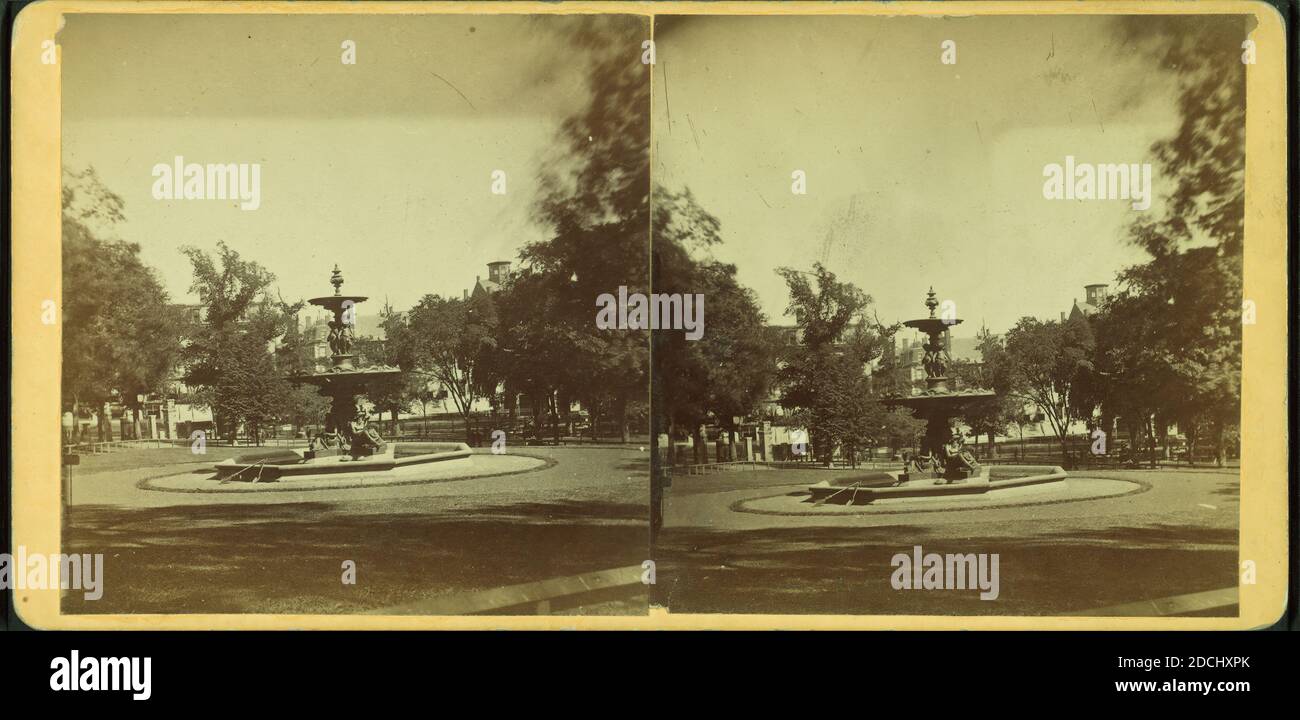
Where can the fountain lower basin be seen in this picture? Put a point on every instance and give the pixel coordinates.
(272, 465)
(863, 489)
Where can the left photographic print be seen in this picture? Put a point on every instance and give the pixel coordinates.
(327, 314)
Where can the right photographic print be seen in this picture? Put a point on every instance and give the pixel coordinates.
(973, 314)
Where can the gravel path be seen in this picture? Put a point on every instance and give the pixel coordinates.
(1178, 537)
(278, 552)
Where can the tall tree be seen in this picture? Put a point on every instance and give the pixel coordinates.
(301, 405)
(594, 200)
(986, 416)
(729, 370)
(121, 335)
(1043, 363)
(542, 359)
(229, 357)
(389, 394)
(823, 375)
(443, 339)
(1173, 330)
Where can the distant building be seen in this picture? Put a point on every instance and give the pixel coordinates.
(1094, 298)
(498, 276)
(192, 313)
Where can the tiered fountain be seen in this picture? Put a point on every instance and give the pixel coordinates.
(942, 466)
(346, 429)
(941, 450)
(348, 444)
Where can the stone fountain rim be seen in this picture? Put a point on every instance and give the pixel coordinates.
(147, 482)
(920, 322)
(739, 506)
(330, 299)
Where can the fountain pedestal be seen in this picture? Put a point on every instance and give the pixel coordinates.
(347, 428)
(941, 449)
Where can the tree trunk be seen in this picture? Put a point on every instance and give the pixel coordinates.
(555, 417)
(537, 416)
(1220, 445)
(622, 417)
(1151, 442)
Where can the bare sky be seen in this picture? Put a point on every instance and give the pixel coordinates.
(918, 172)
(383, 167)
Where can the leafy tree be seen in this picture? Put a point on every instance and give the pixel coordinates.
(823, 377)
(121, 335)
(986, 416)
(229, 357)
(901, 429)
(301, 405)
(1170, 338)
(541, 358)
(1043, 363)
(388, 394)
(392, 394)
(728, 371)
(891, 379)
(443, 339)
(594, 200)
(248, 392)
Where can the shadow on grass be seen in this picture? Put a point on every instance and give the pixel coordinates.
(1229, 490)
(288, 557)
(829, 570)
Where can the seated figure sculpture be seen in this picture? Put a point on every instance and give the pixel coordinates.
(365, 440)
(958, 462)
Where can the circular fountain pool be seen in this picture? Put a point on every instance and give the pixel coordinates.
(882, 493)
(354, 474)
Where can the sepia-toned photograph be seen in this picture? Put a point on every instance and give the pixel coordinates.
(327, 314)
(974, 314)
(648, 316)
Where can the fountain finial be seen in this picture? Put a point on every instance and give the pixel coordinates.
(336, 279)
(931, 302)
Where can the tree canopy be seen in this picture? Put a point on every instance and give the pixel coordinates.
(121, 334)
